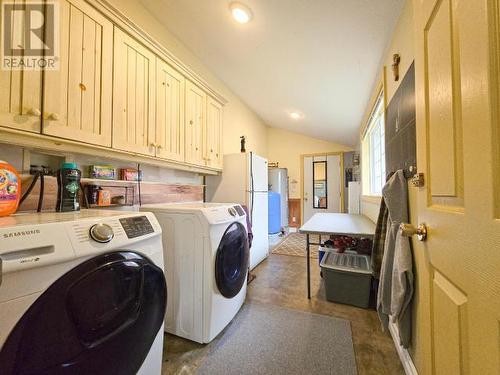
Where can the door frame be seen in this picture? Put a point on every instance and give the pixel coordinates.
(342, 177)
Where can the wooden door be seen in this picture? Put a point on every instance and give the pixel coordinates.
(170, 86)
(77, 97)
(213, 134)
(195, 118)
(133, 96)
(20, 91)
(458, 133)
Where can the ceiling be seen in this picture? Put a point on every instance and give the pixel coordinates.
(317, 57)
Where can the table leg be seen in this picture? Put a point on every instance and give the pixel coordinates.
(308, 267)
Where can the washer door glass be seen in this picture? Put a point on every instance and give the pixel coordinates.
(231, 261)
(99, 318)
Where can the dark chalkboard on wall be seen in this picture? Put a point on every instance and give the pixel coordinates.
(400, 131)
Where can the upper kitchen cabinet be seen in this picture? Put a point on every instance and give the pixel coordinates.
(77, 97)
(170, 86)
(213, 134)
(133, 96)
(20, 90)
(195, 123)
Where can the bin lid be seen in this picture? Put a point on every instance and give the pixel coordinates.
(346, 262)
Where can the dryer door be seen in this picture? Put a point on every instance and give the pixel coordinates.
(99, 318)
(231, 260)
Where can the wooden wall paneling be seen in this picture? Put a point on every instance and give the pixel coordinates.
(150, 192)
(294, 215)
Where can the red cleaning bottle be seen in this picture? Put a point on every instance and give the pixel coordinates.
(10, 189)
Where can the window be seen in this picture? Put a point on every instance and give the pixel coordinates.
(373, 151)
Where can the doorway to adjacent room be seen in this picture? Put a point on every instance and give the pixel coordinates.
(322, 183)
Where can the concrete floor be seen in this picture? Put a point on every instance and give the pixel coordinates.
(281, 281)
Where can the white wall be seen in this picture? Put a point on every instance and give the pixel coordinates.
(401, 43)
(287, 147)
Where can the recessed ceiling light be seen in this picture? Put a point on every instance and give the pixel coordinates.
(241, 13)
(296, 115)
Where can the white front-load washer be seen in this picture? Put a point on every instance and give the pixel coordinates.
(206, 265)
(81, 293)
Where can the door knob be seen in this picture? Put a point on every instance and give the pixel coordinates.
(34, 112)
(408, 230)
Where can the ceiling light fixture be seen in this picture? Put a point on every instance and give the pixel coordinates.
(241, 13)
(296, 115)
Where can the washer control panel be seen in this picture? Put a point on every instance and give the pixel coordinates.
(101, 233)
(136, 226)
(239, 210)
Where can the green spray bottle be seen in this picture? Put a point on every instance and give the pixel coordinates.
(68, 185)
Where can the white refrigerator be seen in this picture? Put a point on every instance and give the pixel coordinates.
(244, 180)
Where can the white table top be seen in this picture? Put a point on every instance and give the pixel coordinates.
(341, 224)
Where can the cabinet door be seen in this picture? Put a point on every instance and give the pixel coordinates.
(77, 97)
(213, 134)
(170, 86)
(20, 90)
(195, 119)
(133, 96)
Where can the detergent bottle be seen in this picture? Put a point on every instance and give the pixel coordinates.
(10, 189)
(68, 185)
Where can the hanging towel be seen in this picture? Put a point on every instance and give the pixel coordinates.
(379, 239)
(251, 276)
(249, 226)
(402, 288)
(396, 276)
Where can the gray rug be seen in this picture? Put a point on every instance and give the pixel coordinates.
(271, 340)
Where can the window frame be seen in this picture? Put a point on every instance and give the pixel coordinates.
(373, 182)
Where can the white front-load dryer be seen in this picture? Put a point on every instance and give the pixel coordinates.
(81, 293)
(206, 265)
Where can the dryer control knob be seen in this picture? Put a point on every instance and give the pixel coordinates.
(102, 233)
(232, 211)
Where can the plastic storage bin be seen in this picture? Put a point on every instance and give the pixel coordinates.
(347, 278)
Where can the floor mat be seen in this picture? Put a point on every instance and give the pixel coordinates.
(295, 245)
(272, 340)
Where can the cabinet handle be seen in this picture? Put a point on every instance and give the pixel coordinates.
(190, 122)
(34, 112)
(82, 87)
(53, 116)
(196, 148)
(158, 146)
